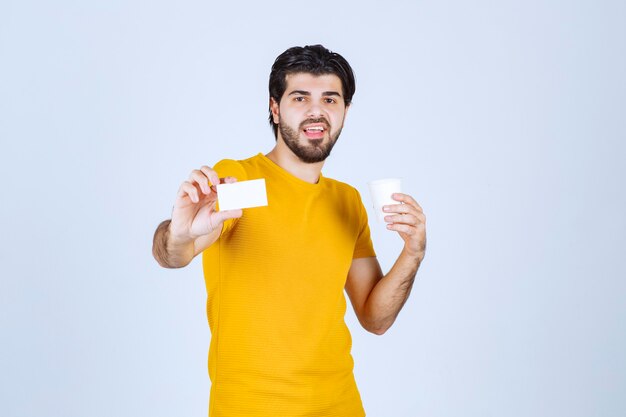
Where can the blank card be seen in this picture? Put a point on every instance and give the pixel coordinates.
(242, 194)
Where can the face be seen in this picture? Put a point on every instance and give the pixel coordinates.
(310, 115)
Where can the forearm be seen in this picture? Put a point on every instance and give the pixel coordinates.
(377, 299)
(390, 293)
(169, 251)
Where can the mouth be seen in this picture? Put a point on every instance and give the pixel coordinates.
(315, 131)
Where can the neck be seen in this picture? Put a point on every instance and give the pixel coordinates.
(282, 156)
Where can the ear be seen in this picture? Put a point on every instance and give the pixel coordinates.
(274, 107)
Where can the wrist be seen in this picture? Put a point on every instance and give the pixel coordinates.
(415, 256)
(172, 251)
(175, 238)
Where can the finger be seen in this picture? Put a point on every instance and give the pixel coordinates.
(407, 199)
(187, 189)
(402, 228)
(402, 218)
(225, 180)
(400, 208)
(408, 210)
(228, 214)
(199, 177)
(210, 174)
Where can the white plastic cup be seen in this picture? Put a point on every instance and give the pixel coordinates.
(381, 191)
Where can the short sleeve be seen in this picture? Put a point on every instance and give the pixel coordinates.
(230, 168)
(364, 248)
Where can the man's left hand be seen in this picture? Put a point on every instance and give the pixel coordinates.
(409, 221)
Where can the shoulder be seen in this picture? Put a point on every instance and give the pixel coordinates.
(239, 169)
(339, 185)
(345, 190)
(350, 202)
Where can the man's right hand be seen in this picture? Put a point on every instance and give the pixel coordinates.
(194, 213)
(195, 224)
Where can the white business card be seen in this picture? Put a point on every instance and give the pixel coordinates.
(242, 194)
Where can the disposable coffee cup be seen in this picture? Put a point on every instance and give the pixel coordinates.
(381, 191)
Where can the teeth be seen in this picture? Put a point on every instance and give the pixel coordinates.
(320, 129)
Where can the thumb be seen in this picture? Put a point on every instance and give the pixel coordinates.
(221, 216)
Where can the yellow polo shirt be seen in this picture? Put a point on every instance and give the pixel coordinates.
(275, 298)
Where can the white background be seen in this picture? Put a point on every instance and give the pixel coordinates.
(506, 120)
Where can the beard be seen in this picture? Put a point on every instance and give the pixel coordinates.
(315, 150)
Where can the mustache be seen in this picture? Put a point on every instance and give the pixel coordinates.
(317, 120)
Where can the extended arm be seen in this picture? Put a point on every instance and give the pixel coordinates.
(378, 299)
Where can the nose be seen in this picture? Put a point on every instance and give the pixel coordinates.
(315, 110)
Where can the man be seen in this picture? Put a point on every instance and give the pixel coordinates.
(275, 275)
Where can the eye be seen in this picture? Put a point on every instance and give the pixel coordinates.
(329, 100)
(299, 99)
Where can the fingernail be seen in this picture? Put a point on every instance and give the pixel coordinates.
(385, 208)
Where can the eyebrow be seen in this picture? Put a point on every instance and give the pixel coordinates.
(306, 93)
